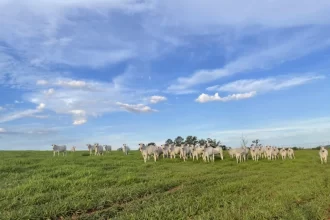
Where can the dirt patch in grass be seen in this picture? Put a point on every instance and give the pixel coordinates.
(174, 189)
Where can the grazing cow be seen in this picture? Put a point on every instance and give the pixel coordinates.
(125, 149)
(73, 149)
(120, 149)
(291, 153)
(90, 148)
(58, 149)
(107, 148)
(98, 149)
(323, 155)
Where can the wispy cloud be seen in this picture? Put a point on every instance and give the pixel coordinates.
(155, 99)
(139, 108)
(283, 133)
(267, 56)
(212, 98)
(266, 84)
(22, 114)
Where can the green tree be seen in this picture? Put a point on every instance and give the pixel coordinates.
(169, 141)
(178, 140)
(202, 141)
(191, 139)
(256, 142)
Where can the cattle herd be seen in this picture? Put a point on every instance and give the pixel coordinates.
(207, 152)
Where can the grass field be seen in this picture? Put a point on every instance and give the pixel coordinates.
(36, 185)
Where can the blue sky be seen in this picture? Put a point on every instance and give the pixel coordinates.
(122, 71)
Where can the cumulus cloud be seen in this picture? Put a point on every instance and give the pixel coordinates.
(266, 84)
(211, 98)
(139, 108)
(155, 99)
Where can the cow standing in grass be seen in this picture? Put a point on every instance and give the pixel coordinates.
(98, 149)
(283, 153)
(291, 153)
(125, 149)
(73, 149)
(107, 148)
(254, 152)
(166, 150)
(147, 151)
(58, 149)
(90, 149)
(323, 155)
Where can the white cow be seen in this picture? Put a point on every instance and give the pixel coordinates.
(125, 149)
(73, 149)
(166, 150)
(269, 152)
(323, 155)
(254, 153)
(146, 151)
(274, 153)
(98, 149)
(90, 148)
(291, 153)
(58, 149)
(283, 153)
(197, 151)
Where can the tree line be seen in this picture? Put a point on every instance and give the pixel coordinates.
(193, 140)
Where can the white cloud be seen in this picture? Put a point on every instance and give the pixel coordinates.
(18, 102)
(79, 121)
(2, 108)
(22, 114)
(2, 130)
(155, 99)
(139, 108)
(264, 57)
(42, 82)
(266, 84)
(72, 83)
(41, 106)
(209, 98)
(49, 91)
(239, 13)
